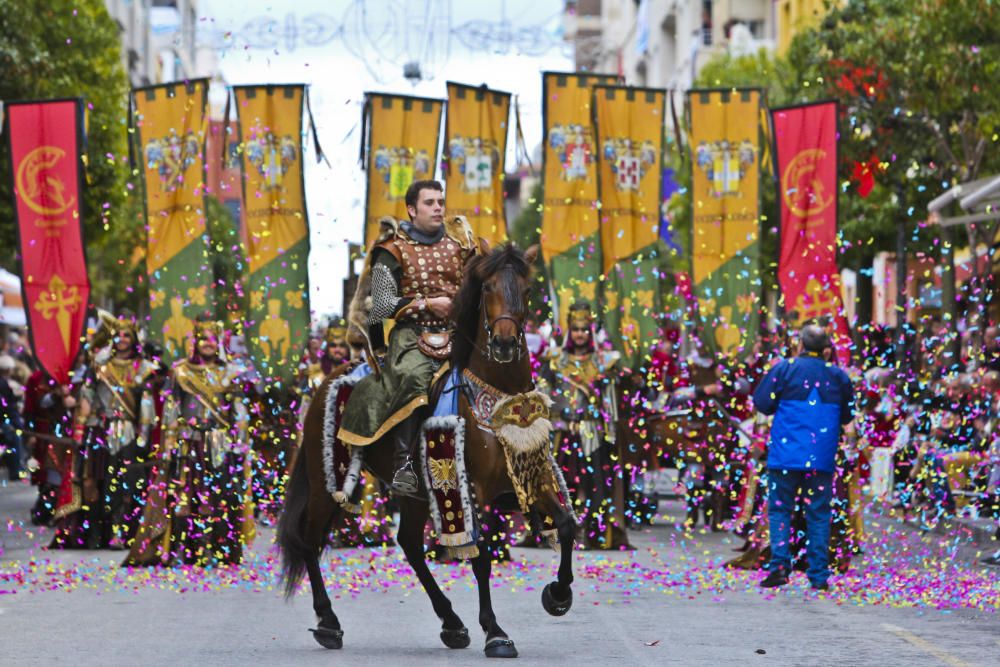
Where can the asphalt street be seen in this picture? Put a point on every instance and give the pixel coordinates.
(912, 600)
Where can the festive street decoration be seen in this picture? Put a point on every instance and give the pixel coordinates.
(277, 222)
(170, 122)
(805, 140)
(475, 150)
(399, 145)
(45, 139)
(725, 245)
(630, 137)
(571, 244)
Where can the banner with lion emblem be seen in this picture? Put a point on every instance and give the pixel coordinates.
(277, 234)
(571, 243)
(170, 131)
(630, 166)
(475, 147)
(724, 139)
(399, 145)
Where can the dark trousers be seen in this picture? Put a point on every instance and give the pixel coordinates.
(814, 490)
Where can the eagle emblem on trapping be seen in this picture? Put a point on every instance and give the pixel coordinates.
(574, 144)
(629, 159)
(170, 156)
(725, 164)
(272, 156)
(477, 160)
(399, 166)
(444, 475)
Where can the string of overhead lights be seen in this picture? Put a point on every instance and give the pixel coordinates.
(419, 37)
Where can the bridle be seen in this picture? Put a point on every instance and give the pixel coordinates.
(490, 336)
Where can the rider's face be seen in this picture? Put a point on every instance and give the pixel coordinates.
(428, 214)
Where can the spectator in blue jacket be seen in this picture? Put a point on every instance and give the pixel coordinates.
(811, 400)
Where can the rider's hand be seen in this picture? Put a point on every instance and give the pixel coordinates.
(440, 306)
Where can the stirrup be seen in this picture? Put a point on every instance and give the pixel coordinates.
(405, 481)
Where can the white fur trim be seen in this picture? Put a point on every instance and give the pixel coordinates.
(330, 428)
(524, 439)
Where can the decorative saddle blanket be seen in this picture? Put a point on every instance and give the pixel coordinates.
(520, 422)
(342, 469)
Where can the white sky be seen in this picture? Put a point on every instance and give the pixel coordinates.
(368, 55)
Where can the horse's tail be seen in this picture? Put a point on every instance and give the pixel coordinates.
(292, 526)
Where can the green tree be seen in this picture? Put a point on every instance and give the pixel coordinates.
(914, 82)
(71, 48)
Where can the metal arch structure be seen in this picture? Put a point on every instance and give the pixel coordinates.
(393, 33)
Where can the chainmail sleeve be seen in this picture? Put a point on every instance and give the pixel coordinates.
(386, 301)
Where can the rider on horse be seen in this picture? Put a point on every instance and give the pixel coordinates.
(415, 270)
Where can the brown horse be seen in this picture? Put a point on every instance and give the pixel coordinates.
(489, 342)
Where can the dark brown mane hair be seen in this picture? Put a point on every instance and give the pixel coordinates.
(507, 260)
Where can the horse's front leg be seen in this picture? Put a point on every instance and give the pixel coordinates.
(413, 516)
(557, 597)
(498, 644)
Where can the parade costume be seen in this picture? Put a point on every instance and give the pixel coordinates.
(584, 413)
(196, 510)
(100, 495)
(405, 267)
(50, 421)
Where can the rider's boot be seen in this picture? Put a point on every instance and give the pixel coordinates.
(405, 480)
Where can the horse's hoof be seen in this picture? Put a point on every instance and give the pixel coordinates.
(456, 638)
(500, 647)
(552, 605)
(329, 637)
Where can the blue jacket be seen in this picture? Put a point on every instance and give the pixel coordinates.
(810, 400)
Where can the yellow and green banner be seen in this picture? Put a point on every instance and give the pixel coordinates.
(400, 141)
(725, 240)
(277, 226)
(571, 244)
(170, 125)
(630, 167)
(475, 147)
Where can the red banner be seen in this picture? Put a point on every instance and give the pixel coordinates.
(45, 146)
(805, 139)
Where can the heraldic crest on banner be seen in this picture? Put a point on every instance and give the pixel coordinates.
(273, 157)
(575, 146)
(400, 166)
(171, 156)
(477, 160)
(725, 164)
(630, 160)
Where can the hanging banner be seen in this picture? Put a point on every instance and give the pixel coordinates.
(400, 146)
(725, 245)
(630, 173)
(805, 139)
(277, 226)
(475, 147)
(45, 141)
(170, 130)
(571, 244)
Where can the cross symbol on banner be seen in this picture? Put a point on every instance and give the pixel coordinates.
(60, 301)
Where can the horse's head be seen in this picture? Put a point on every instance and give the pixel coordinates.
(494, 298)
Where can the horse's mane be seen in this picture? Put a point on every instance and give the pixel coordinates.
(508, 260)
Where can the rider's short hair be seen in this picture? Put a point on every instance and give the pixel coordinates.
(413, 192)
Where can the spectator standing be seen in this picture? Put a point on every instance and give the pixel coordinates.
(811, 400)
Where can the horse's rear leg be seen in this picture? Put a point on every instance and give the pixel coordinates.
(557, 597)
(498, 644)
(412, 519)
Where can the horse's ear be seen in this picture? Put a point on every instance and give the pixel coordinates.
(484, 246)
(531, 254)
